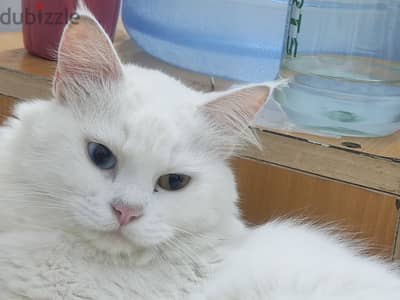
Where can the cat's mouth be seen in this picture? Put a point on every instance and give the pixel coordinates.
(113, 242)
(119, 246)
(118, 235)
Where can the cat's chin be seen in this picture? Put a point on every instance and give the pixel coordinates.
(118, 245)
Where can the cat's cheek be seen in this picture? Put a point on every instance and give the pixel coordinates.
(93, 214)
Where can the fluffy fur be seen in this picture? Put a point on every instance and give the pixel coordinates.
(59, 238)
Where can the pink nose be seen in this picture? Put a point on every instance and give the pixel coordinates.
(126, 213)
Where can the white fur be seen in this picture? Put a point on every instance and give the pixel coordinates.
(55, 204)
(58, 233)
(288, 260)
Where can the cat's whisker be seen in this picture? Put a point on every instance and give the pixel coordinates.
(208, 240)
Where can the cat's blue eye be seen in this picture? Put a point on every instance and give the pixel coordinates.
(101, 156)
(173, 182)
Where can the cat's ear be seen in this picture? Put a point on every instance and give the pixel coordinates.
(86, 58)
(230, 116)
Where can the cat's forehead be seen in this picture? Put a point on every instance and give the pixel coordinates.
(150, 130)
(150, 119)
(154, 140)
(157, 115)
(151, 87)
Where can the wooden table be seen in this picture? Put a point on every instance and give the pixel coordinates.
(373, 165)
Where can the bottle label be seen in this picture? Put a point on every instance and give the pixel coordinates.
(292, 43)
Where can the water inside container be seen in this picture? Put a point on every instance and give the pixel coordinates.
(235, 39)
(343, 61)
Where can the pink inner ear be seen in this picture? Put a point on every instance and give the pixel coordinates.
(260, 95)
(244, 103)
(229, 117)
(86, 52)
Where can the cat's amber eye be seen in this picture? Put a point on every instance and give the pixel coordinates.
(101, 156)
(173, 182)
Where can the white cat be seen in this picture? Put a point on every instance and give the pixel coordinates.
(119, 189)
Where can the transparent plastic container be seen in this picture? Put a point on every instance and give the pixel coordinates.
(234, 39)
(343, 64)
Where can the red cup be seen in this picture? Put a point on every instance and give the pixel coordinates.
(44, 21)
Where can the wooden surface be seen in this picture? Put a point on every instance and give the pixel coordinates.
(385, 147)
(376, 165)
(10, 41)
(356, 168)
(6, 105)
(396, 253)
(268, 192)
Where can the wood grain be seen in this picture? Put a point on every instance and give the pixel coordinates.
(6, 106)
(269, 192)
(387, 147)
(324, 160)
(11, 40)
(24, 76)
(396, 253)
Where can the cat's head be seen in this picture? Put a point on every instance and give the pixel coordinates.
(128, 157)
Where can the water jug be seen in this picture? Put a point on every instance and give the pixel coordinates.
(342, 58)
(235, 39)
